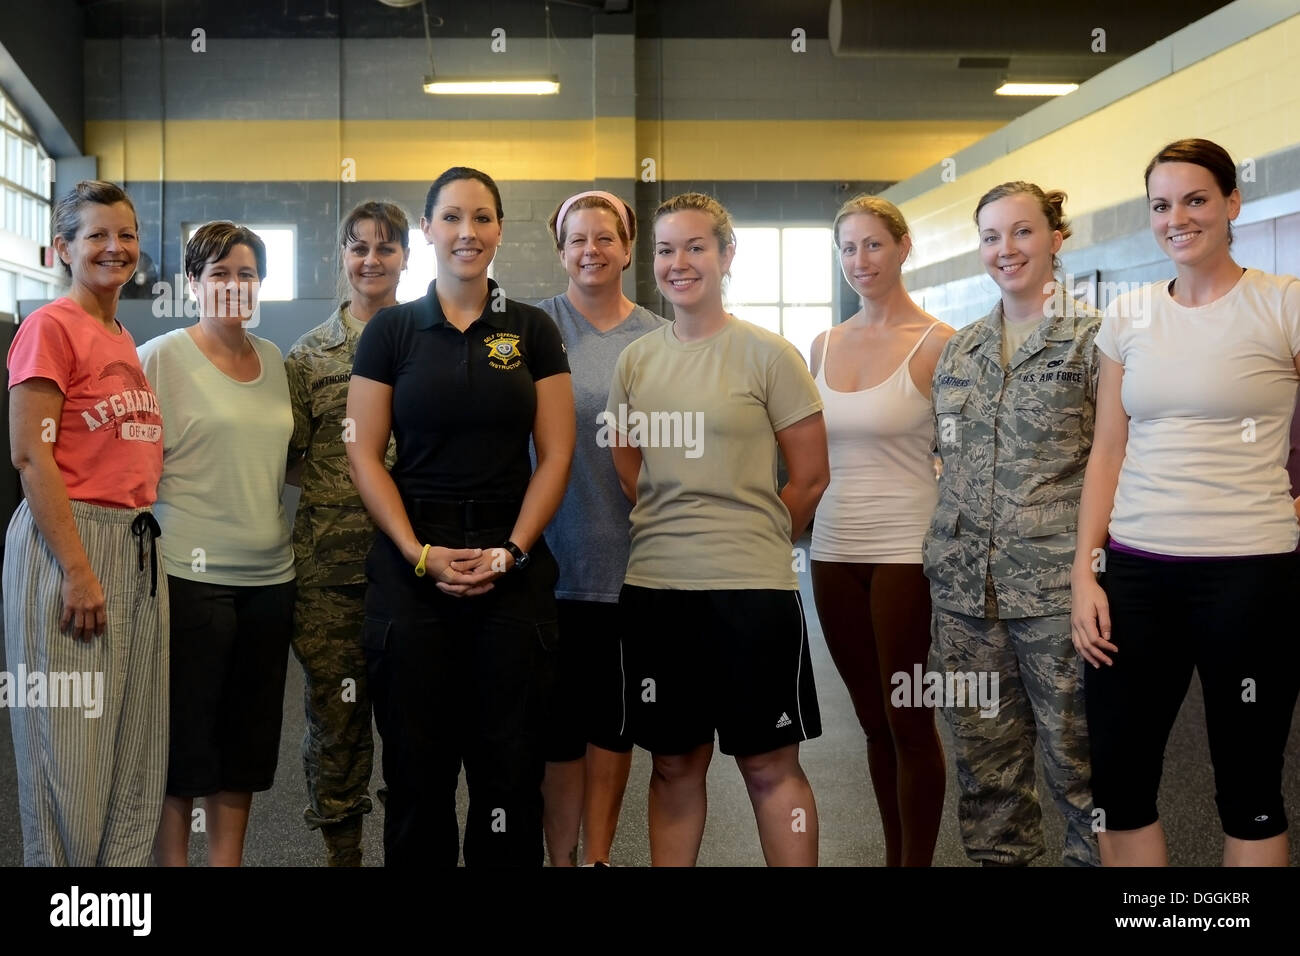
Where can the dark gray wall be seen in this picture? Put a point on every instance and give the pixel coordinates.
(41, 69)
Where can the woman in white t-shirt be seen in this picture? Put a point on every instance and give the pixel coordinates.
(1188, 493)
(873, 372)
(227, 422)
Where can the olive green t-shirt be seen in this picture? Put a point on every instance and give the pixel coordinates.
(705, 414)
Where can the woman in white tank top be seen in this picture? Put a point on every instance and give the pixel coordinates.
(874, 373)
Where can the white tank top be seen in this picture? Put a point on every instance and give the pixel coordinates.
(883, 490)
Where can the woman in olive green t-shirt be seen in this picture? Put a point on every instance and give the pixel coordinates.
(715, 637)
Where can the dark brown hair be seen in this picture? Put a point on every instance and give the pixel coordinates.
(458, 173)
(1199, 152)
(389, 219)
(213, 241)
(390, 223)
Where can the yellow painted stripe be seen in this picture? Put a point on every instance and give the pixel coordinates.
(802, 149)
(576, 150)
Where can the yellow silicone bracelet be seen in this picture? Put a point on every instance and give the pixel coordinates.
(419, 568)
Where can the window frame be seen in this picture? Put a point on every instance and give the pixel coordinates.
(188, 229)
(832, 304)
(28, 144)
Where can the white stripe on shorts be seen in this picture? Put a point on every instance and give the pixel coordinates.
(798, 672)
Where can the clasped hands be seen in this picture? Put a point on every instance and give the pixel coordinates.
(467, 572)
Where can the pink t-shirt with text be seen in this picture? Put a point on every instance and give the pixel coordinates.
(108, 444)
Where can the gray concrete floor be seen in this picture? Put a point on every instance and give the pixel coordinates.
(836, 765)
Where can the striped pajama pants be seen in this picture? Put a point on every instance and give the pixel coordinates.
(90, 787)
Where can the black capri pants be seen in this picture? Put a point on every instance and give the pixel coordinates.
(460, 680)
(1230, 620)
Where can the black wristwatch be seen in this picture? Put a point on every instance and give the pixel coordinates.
(520, 556)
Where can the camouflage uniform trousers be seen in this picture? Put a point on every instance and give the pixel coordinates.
(1040, 696)
(338, 748)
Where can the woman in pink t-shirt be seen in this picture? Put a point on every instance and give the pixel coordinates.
(84, 606)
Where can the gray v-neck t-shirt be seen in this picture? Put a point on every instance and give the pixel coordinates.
(589, 534)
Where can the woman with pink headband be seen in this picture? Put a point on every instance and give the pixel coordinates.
(588, 751)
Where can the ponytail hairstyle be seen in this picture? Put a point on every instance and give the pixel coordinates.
(1199, 152)
(454, 174)
(723, 229)
(1052, 203)
(881, 208)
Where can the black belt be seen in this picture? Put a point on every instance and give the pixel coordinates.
(468, 515)
(143, 522)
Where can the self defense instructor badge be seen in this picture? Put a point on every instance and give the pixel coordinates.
(503, 350)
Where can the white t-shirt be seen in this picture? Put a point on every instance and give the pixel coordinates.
(1209, 392)
(225, 445)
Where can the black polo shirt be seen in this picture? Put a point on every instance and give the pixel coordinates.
(463, 402)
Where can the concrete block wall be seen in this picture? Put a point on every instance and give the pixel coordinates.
(258, 130)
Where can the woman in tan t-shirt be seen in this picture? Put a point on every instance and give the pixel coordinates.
(714, 632)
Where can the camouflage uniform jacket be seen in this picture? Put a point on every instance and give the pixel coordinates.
(1014, 444)
(332, 531)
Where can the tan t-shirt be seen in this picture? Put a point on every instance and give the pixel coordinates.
(704, 415)
(1014, 335)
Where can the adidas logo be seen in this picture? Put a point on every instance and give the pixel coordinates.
(783, 720)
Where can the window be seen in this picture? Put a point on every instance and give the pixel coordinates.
(422, 268)
(32, 288)
(782, 279)
(281, 282)
(24, 177)
(8, 292)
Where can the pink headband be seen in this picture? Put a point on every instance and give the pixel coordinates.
(619, 207)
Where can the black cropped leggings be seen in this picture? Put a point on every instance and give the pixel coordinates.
(1231, 620)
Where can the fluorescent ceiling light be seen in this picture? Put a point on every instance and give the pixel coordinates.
(468, 85)
(1036, 89)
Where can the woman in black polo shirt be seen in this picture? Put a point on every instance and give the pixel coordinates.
(460, 607)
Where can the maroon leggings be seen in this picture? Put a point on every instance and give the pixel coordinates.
(876, 619)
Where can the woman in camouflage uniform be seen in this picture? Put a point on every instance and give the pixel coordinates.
(1014, 399)
(332, 533)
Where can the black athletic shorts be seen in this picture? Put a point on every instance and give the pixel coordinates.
(731, 661)
(229, 656)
